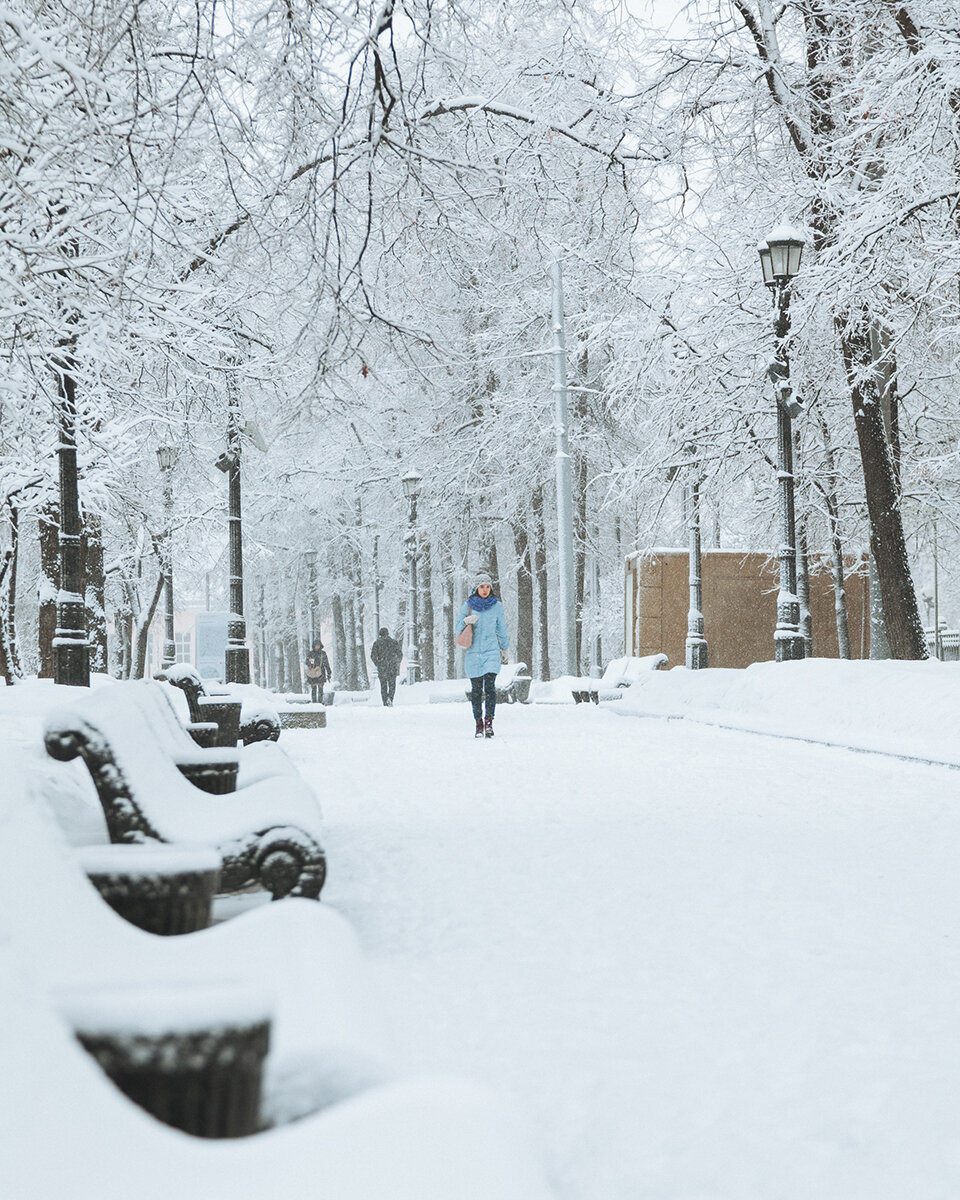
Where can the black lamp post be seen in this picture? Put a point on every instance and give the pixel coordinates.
(71, 664)
(780, 256)
(237, 657)
(167, 457)
(411, 489)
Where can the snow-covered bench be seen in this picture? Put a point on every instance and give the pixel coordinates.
(215, 769)
(68, 1132)
(513, 684)
(229, 714)
(267, 834)
(620, 673)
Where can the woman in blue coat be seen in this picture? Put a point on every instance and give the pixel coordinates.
(482, 661)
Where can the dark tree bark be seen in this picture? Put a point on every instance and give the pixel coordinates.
(11, 649)
(92, 555)
(449, 621)
(338, 659)
(350, 639)
(540, 572)
(524, 642)
(48, 528)
(887, 543)
(427, 628)
(143, 631)
(836, 544)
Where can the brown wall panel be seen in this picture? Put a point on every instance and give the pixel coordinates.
(739, 606)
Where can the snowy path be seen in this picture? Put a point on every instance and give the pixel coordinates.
(697, 983)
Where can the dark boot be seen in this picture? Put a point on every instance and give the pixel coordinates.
(479, 730)
(488, 727)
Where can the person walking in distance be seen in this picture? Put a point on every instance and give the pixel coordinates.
(386, 654)
(487, 651)
(318, 670)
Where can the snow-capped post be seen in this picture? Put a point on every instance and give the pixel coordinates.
(411, 489)
(780, 255)
(167, 457)
(71, 663)
(237, 657)
(696, 644)
(568, 615)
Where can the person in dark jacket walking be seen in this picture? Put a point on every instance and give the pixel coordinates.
(487, 651)
(386, 654)
(318, 670)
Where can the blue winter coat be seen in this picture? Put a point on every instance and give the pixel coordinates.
(489, 638)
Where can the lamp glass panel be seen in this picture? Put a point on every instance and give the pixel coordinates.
(794, 254)
(778, 258)
(166, 456)
(766, 264)
(411, 484)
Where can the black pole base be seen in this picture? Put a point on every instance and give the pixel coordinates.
(71, 663)
(237, 664)
(696, 654)
(789, 647)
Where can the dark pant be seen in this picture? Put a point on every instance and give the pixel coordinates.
(388, 688)
(484, 688)
(316, 690)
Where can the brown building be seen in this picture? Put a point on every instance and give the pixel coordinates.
(739, 606)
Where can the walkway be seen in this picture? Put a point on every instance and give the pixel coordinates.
(707, 965)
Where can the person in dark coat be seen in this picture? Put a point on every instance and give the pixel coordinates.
(318, 670)
(488, 650)
(386, 654)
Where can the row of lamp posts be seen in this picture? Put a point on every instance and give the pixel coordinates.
(780, 256)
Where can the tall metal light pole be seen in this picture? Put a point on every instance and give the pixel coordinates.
(167, 457)
(696, 644)
(310, 558)
(411, 489)
(780, 256)
(237, 664)
(568, 602)
(71, 663)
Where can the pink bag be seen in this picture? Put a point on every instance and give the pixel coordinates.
(465, 637)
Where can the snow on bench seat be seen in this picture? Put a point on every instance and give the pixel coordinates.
(267, 833)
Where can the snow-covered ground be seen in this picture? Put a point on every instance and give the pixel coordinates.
(697, 963)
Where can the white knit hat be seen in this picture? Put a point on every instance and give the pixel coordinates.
(480, 579)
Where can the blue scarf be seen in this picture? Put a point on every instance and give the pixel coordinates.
(478, 604)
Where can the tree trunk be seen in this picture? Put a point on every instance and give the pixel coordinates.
(803, 589)
(291, 653)
(143, 631)
(579, 539)
(540, 571)
(887, 543)
(449, 621)
(350, 631)
(92, 553)
(338, 658)
(836, 544)
(4, 661)
(428, 668)
(48, 528)
(10, 599)
(524, 642)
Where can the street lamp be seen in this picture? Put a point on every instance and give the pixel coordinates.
(411, 489)
(71, 664)
(696, 643)
(237, 655)
(780, 255)
(167, 457)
